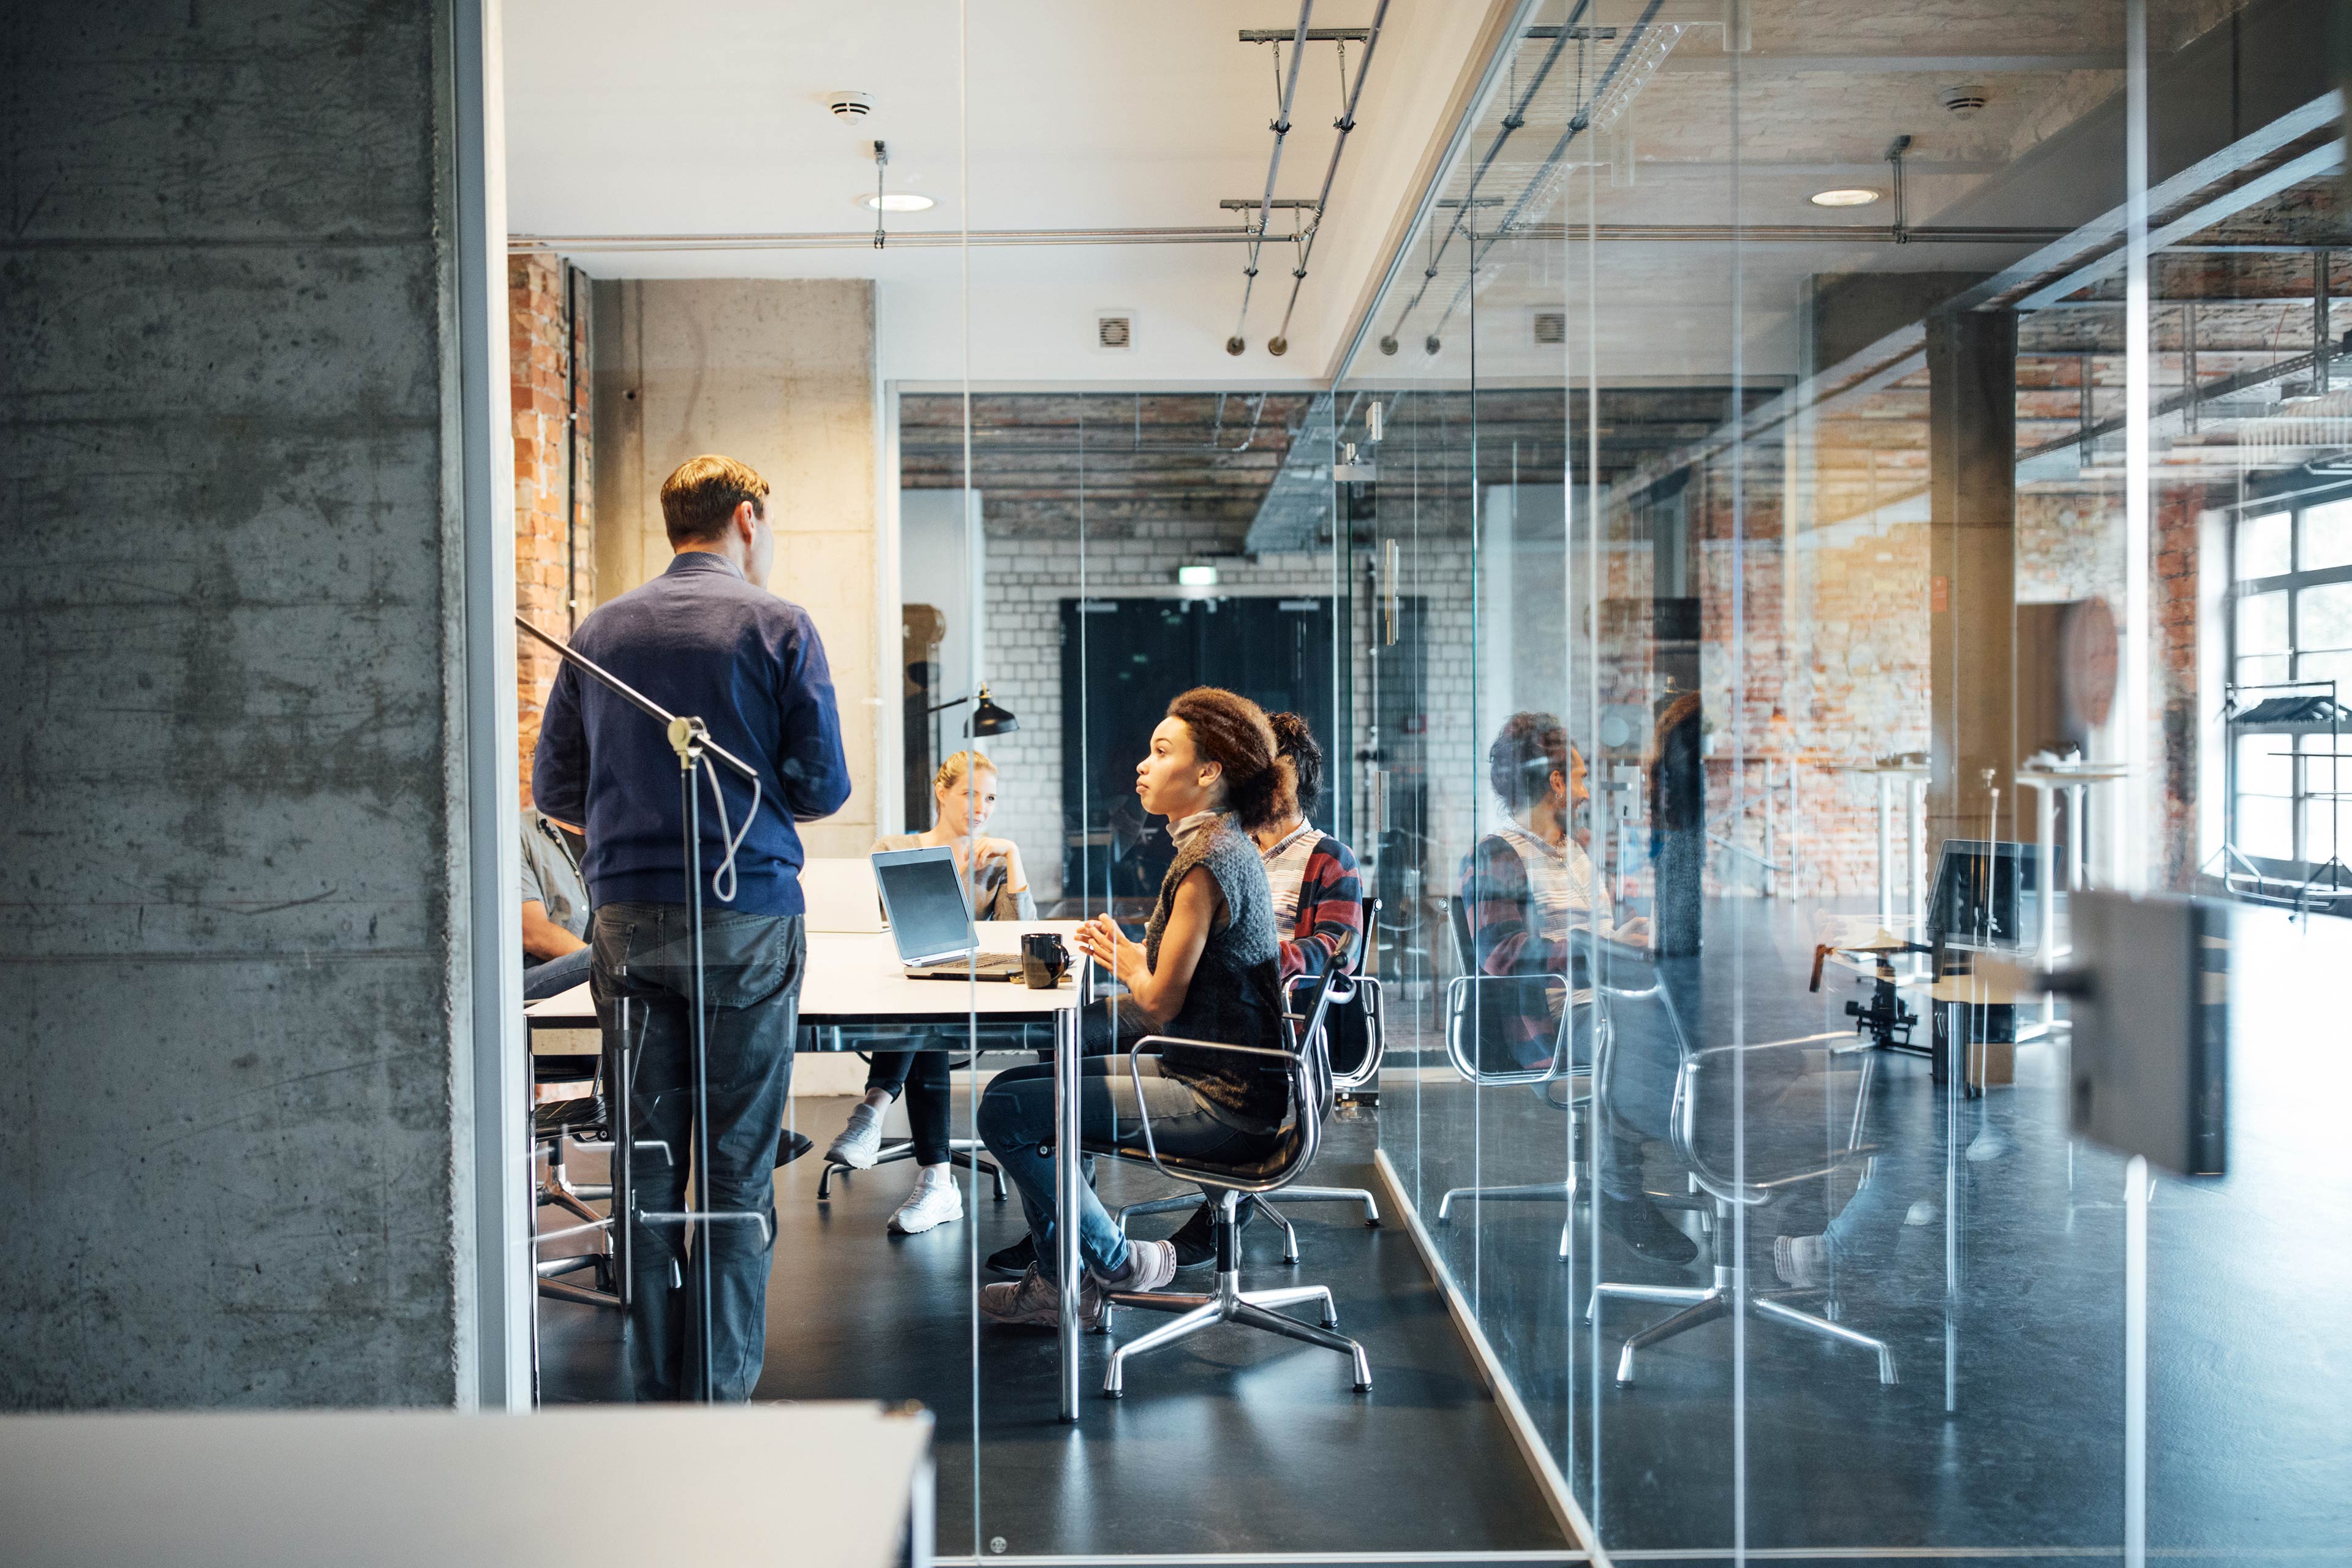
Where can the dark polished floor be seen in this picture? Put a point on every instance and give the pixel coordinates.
(2249, 1340)
(1234, 1442)
(1793, 1448)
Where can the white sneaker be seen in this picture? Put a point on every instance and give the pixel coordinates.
(935, 1201)
(859, 1141)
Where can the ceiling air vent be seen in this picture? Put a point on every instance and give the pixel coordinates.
(1552, 328)
(1964, 99)
(1114, 331)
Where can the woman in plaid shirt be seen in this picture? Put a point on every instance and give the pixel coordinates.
(1318, 902)
(1523, 887)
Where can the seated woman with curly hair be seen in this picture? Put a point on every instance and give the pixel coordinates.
(1209, 968)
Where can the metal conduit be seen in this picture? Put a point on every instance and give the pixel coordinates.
(1628, 233)
(1281, 128)
(1280, 343)
(1577, 124)
(1511, 122)
(586, 244)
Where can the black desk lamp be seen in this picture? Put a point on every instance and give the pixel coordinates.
(987, 718)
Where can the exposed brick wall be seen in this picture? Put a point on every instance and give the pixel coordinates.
(2173, 644)
(554, 498)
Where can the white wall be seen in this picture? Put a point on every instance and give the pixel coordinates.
(780, 374)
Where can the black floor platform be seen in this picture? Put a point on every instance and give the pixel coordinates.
(1231, 1442)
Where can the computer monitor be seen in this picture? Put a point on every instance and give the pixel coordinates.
(1987, 895)
(924, 896)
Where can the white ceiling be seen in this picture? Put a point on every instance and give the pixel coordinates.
(711, 117)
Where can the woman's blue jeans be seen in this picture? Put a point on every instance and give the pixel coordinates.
(1016, 1122)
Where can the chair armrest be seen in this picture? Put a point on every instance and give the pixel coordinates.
(1749, 1193)
(1135, 1074)
(1457, 993)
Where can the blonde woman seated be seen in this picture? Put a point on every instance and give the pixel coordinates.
(964, 797)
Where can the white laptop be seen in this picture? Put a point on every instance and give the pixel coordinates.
(841, 896)
(930, 920)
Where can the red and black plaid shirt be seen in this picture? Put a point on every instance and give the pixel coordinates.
(1330, 925)
(1505, 939)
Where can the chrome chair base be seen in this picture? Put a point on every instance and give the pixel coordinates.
(904, 1149)
(555, 1189)
(1230, 1304)
(1185, 1202)
(1523, 1192)
(1705, 1306)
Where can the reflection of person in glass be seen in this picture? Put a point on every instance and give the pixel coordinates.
(1523, 887)
(1207, 969)
(964, 797)
(1677, 780)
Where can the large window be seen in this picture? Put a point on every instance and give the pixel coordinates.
(2291, 669)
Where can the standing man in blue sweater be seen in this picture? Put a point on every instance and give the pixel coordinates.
(704, 639)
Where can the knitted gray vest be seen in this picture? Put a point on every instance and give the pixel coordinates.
(1235, 996)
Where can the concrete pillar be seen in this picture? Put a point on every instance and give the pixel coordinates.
(1972, 570)
(779, 373)
(246, 308)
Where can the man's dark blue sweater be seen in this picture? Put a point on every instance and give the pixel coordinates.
(699, 640)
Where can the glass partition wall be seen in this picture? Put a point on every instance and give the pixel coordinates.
(1815, 513)
(1816, 492)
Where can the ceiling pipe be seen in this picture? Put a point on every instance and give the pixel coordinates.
(588, 244)
(1517, 116)
(1577, 125)
(1281, 129)
(1345, 124)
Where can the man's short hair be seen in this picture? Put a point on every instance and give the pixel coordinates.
(703, 492)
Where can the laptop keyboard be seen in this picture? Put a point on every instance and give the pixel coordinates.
(990, 966)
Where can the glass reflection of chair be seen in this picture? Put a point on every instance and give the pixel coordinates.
(1473, 1024)
(1363, 1068)
(1651, 1084)
(1312, 1097)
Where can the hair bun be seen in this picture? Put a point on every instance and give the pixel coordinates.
(1231, 730)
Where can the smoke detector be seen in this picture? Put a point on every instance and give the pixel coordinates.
(1964, 99)
(849, 106)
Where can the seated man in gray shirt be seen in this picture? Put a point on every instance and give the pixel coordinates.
(554, 909)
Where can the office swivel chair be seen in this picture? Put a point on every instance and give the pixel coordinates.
(961, 1151)
(1361, 1007)
(554, 1125)
(1651, 1084)
(1478, 1010)
(1309, 1070)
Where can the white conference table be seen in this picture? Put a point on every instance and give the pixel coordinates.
(856, 982)
(396, 1489)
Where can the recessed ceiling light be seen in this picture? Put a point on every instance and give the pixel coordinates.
(1845, 196)
(897, 202)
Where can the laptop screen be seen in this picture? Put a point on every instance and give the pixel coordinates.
(927, 915)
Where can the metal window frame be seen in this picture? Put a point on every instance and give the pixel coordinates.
(2294, 504)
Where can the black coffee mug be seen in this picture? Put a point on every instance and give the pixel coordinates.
(1044, 960)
